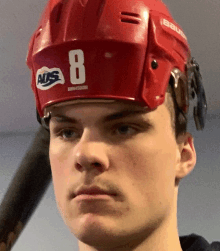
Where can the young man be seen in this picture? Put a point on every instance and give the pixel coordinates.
(98, 68)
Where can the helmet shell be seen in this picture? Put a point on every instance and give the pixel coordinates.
(89, 49)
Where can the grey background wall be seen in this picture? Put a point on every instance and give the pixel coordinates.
(199, 196)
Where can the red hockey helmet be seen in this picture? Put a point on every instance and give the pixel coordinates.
(107, 49)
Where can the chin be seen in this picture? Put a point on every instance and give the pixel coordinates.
(94, 230)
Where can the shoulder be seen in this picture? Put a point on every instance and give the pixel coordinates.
(194, 242)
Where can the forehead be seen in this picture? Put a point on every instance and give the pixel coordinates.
(98, 114)
(101, 112)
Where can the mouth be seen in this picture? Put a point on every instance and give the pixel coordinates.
(86, 197)
(92, 193)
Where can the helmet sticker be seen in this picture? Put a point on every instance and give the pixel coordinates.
(172, 26)
(47, 78)
(77, 70)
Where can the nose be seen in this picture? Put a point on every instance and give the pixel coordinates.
(91, 155)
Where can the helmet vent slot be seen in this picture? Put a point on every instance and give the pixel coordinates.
(129, 17)
(130, 14)
(38, 32)
(59, 11)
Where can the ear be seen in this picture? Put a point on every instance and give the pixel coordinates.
(187, 155)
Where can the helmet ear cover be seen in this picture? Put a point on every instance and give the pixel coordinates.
(45, 121)
(179, 86)
(186, 88)
(196, 89)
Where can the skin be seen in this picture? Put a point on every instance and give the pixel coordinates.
(142, 164)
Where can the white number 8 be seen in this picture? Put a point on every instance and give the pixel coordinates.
(77, 68)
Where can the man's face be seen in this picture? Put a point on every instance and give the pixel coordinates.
(135, 157)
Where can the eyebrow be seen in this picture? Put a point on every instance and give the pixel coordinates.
(111, 117)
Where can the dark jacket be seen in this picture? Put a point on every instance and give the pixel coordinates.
(195, 242)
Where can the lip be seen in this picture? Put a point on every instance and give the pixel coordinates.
(92, 192)
(86, 197)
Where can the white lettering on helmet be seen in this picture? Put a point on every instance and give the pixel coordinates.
(173, 27)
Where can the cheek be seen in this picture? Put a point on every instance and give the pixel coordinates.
(58, 158)
(152, 168)
(60, 172)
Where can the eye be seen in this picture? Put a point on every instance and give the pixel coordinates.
(116, 130)
(67, 134)
(124, 129)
